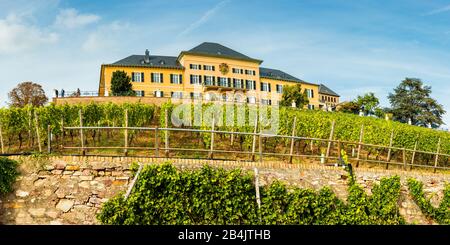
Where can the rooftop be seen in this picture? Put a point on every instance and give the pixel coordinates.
(218, 50)
(325, 90)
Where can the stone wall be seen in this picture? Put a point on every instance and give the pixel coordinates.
(70, 190)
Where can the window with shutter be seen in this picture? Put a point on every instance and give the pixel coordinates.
(142, 77)
(161, 78)
(153, 77)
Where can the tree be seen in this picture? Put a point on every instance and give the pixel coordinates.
(348, 107)
(368, 103)
(121, 84)
(294, 93)
(27, 93)
(411, 101)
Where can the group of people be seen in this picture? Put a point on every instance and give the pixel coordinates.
(76, 94)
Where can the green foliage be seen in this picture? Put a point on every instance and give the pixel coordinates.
(440, 214)
(294, 93)
(411, 100)
(18, 123)
(163, 195)
(368, 103)
(121, 84)
(8, 174)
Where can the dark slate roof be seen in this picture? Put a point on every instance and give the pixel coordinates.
(218, 50)
(277, 74)
(155, 61)
(325, 90)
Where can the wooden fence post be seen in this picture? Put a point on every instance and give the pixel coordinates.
(258, 198)
(232, 136)
(391, 141)
(157, 142)
(331, 138)
(1, 139)
(49, 139)
(30, 141)
(36, 124)
(254, 139)
(294, 125)
(413, 155)
(126, 133)
(166, 132)
(339, 149)
(404, 158)
(437, 155)
(361, 135)
(211, 152)
(83, 151)
(260, 146)
(62, 133)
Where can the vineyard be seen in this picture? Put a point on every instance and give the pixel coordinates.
(31, 129)
(164, 195)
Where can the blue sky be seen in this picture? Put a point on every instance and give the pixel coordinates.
(354, 47)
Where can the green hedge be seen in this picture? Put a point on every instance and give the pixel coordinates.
(164, 195)
(440, 214)
(8, 175)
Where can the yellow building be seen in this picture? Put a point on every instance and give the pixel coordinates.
(210, 72)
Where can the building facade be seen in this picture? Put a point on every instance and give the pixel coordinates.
(211, 72)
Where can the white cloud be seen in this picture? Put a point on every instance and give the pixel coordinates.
(16, 35)
(96, 40)
(438, 11)
(70, 18)
(205, 17)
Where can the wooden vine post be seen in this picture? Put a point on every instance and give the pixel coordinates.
(404, 158)
(62, 133)
(260, 146)
(391, 141)
(83, 151)
(166, 132)
(330, 139)
(294, 125)
(211, 151)
(437, 155)
(414, 155)
(126, 133)
(156, 142)
(30, 142)
(49, 139)
(1, 139)
(361, 135)
(258, 198)
(232, 136)
(254, 139)
(36, 124)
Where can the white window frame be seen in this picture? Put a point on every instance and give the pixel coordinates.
(209, 81)
(265, 102)
(264, 87)
(195, 95)
(176, 95)
(137, 77)
(251, 83)
(156, 77)
(195, 79)
(140, 93)
(223, 82)
(236, 81)
(176, 79)
(281, 88)
(311, 107)
(195, 66)
(159, 94)
(309, 93)
(208, 67)
(251, 99)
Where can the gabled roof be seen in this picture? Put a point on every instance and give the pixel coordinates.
(155, 61)
(218, 50)
(325, 90)
(279, 75)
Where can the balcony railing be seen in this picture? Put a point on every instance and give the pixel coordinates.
(63, 94)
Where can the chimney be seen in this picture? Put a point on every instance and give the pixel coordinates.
(147, 57)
